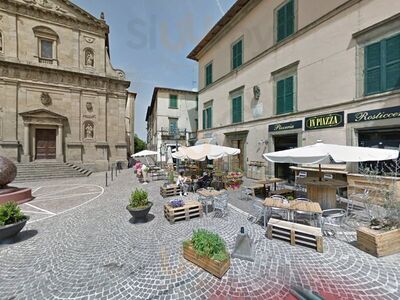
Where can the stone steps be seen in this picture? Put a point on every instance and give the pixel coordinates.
(48, 170)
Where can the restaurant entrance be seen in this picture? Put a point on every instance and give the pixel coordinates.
(284, 142)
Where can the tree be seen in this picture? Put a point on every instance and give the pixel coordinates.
(139, 144)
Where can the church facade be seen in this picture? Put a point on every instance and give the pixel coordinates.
(60, 97)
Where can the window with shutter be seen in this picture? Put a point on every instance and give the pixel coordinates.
(237, 54)
(208, 74)
(382, 66)
(207, 118)
(237, 109)
(285, 95)
(173, 101)
(285, 17)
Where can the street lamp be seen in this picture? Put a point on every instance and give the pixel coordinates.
(177, 136)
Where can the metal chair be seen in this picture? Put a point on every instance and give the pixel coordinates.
(246, 193)
(221, 203)
(328, 176)
(298, 214)
(334, 217)
(300, 187)
(278, 211)
(259, 208)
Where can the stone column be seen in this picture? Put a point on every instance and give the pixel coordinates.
(59, 146)
(26, 156)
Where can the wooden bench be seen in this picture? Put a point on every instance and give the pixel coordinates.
(170, 190)
(191, 209)
(296, 234)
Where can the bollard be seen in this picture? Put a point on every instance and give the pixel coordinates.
(106, 178)
(116, 171)
(112, 174)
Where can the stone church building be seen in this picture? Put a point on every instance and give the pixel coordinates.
(60, 97)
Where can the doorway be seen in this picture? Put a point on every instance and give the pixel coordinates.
(45, 144)
(238, 160)
(284, 142)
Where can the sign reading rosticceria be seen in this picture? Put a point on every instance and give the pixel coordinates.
(374, 115)
(325, 121)
(285, 126)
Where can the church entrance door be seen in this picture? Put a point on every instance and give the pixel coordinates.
(46, 143)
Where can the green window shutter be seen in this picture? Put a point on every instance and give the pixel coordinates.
(289, 18)
(280, 97)
(289, 93)
(173, 101)
(209, 117)
(209, 74)
(237, 109)
(281, 15)
(204, 118)
(392, 64)
(373, 69)
(237, 54)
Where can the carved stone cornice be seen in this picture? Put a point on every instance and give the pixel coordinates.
(87, 22)
(18, 71)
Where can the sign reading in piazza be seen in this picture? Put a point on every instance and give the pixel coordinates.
(285, 126)
(325, 121)
(374, 115)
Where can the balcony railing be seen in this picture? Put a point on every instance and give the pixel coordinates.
(170, 134)
(49, 61)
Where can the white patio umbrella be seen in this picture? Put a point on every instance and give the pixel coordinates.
(203, 151)
(321, 153)
(145, 154)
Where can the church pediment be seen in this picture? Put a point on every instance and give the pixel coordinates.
(65, 8)
(42, 114)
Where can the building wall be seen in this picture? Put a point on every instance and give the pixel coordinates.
(329, 75)
(78, 93)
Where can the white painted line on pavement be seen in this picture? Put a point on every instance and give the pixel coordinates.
(39, 198)
(35, 190)
(34, 212)
(41, 209)
(60, 191)
(72, 208)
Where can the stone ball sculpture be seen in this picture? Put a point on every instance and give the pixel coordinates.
(8, 171)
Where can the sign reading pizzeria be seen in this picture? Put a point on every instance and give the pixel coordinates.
(285, 126)
(325, 121)
(374, 115)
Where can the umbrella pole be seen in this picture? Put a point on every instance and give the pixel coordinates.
(319, 172)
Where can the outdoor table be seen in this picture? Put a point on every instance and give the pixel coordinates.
(255, 187)
(324, 191)
(292, 206)
(273, 181)
(209, 195)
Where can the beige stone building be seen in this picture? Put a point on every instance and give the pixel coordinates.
(276, 74)
(60, 97)
(171, 118)
(130, 122)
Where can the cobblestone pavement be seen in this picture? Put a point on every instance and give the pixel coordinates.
(94, 251)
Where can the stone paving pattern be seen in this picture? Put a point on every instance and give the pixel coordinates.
(95, 252)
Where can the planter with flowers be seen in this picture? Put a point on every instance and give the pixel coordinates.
(139, 205)
(233, 180)
(208, 251)
(12, 220)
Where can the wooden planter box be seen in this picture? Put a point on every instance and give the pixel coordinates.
(170, 190)
(191, 209)
(217, 268)
(378, 243)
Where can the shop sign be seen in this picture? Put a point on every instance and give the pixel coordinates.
(285, 126)
(325, 121)
(374, 115)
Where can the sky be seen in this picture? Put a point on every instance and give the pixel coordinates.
(150, 39)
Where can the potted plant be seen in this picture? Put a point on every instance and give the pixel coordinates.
(12, 220)
(208, 251)
(382, 235)
(139, 205)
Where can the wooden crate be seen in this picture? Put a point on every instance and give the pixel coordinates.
(295, 234)
(191, 209)
(283, 192)
(170, 190)
(217, 268)
(378, 243)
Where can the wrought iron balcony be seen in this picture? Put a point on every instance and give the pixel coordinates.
(170, 133)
